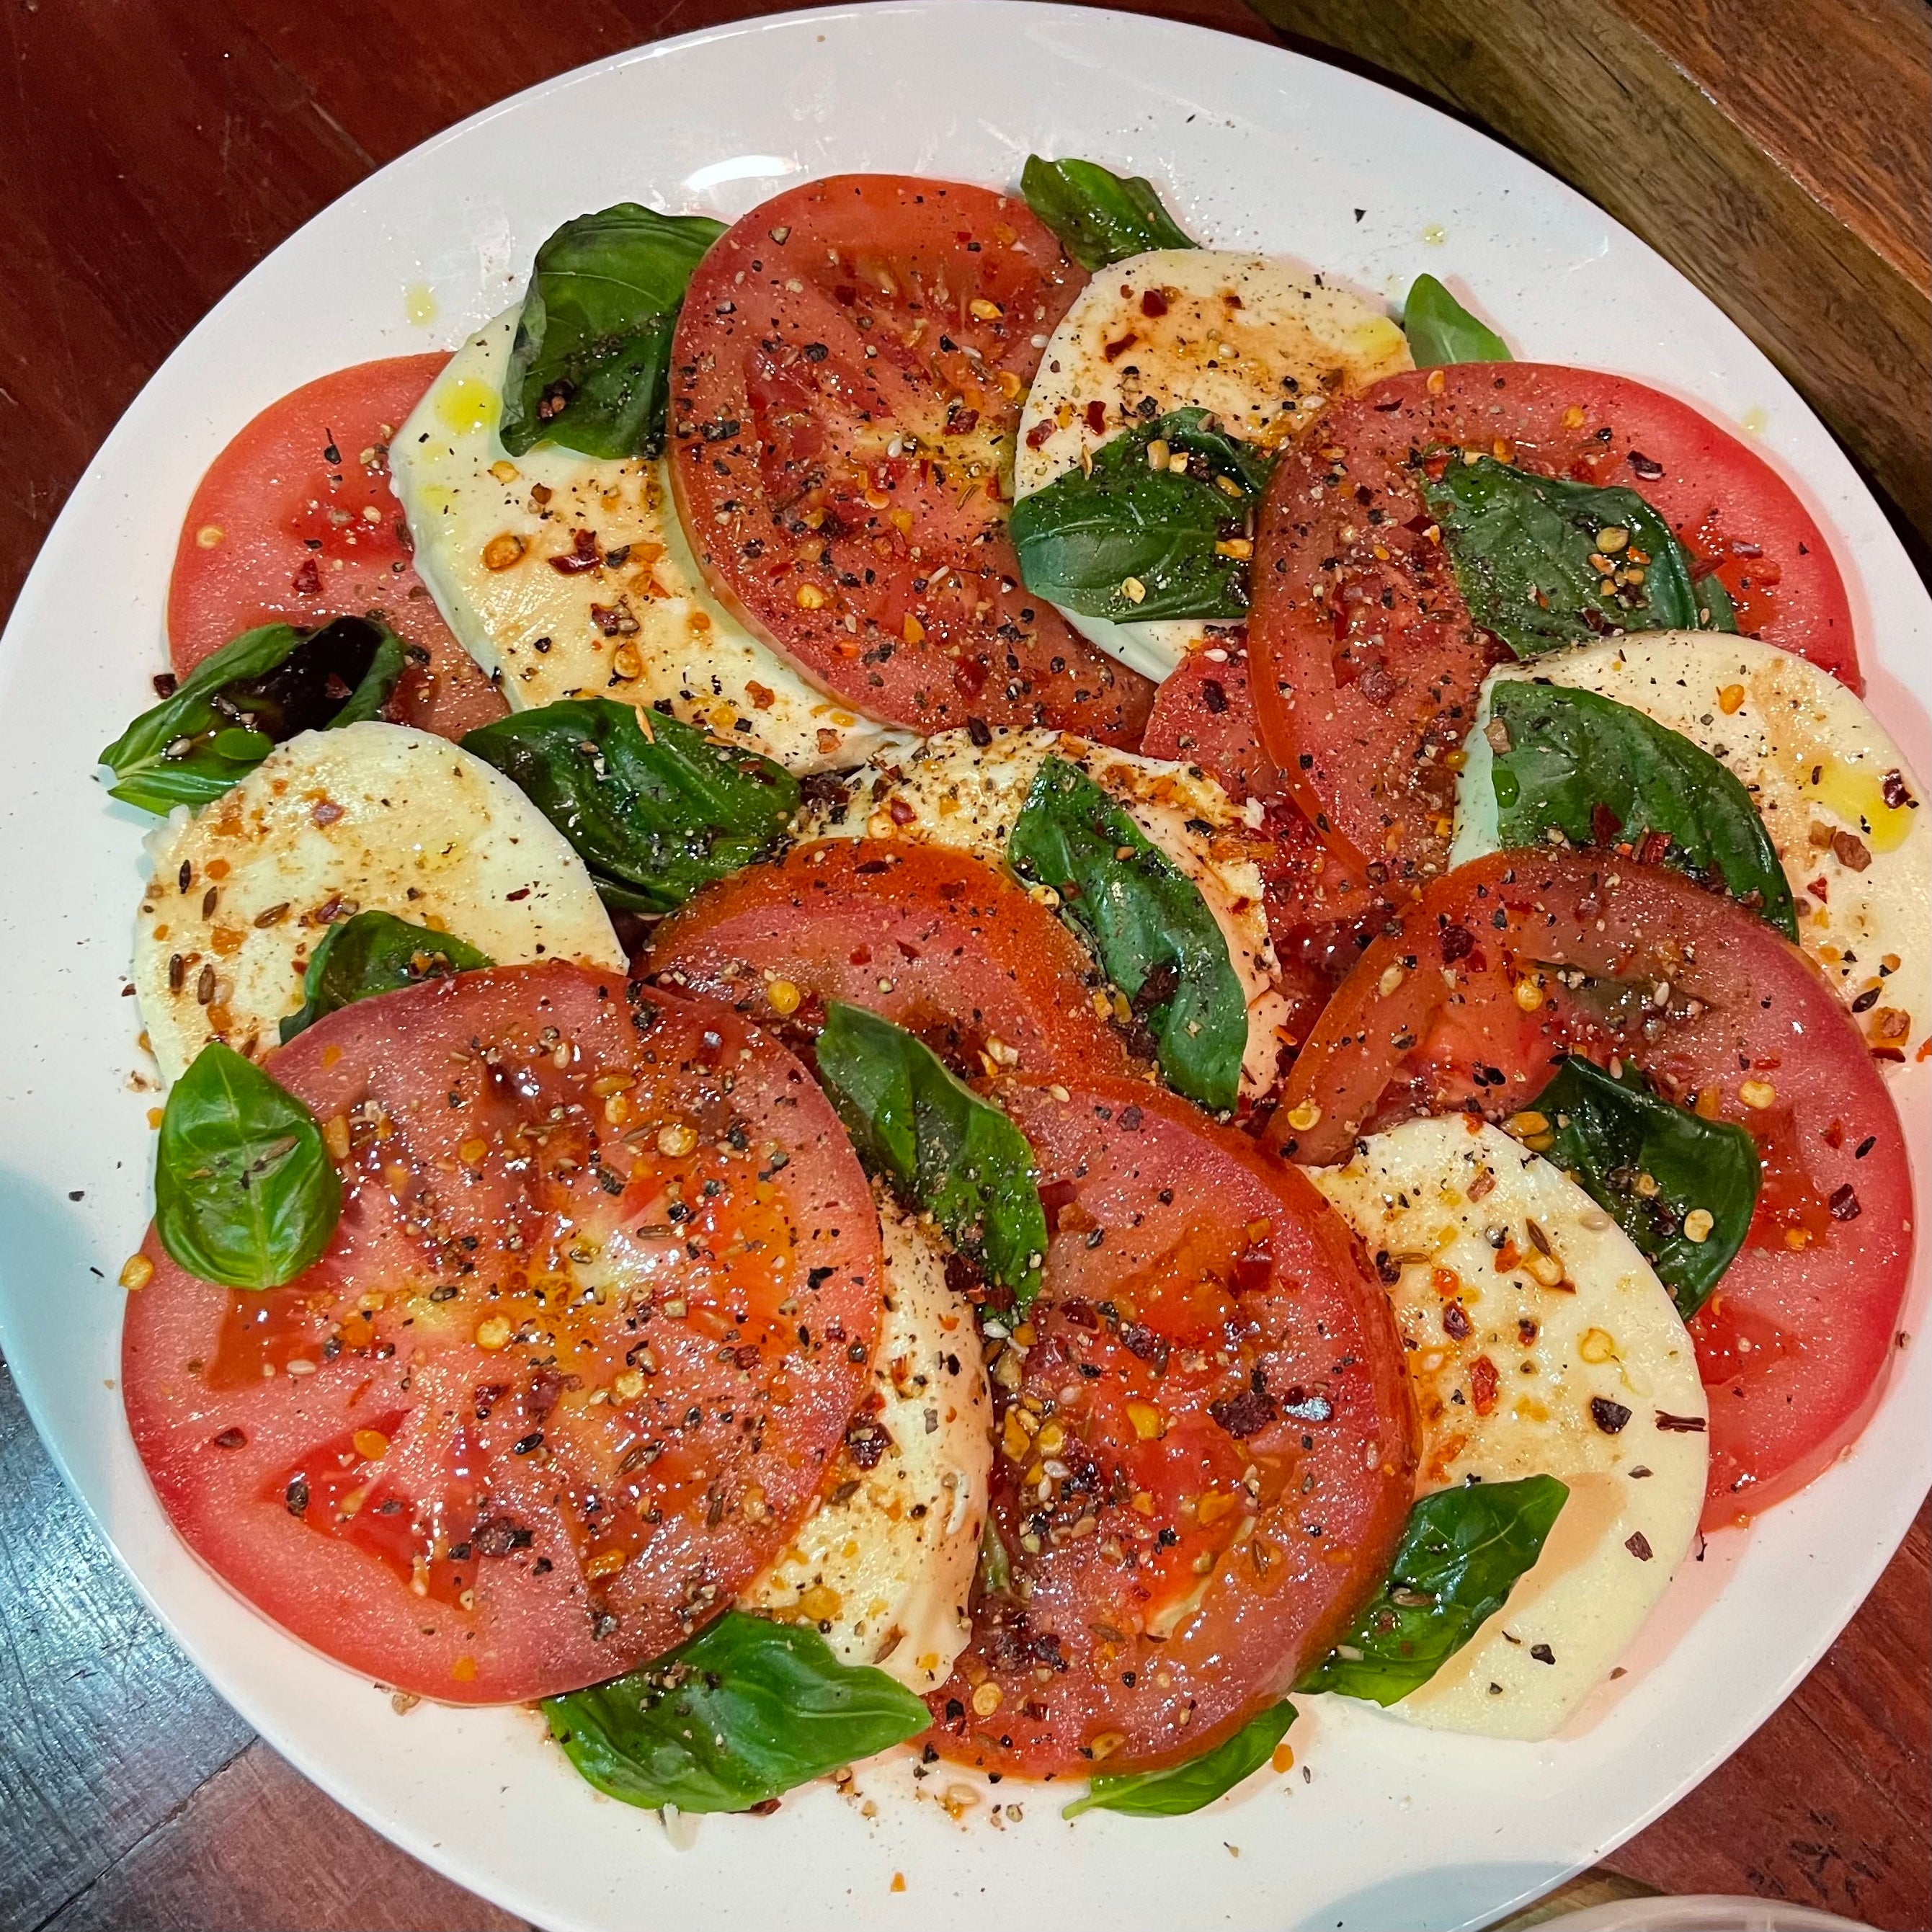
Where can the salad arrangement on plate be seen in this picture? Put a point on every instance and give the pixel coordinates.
(937, 973)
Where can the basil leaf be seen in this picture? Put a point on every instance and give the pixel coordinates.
(374, 952)
(1715, 611)
(1088, 536)
(1182, 1788)
(1603, 774)
(745, 1711)
(245, 1194)
(1440, 330)
(1461, 1552)
(1521, 547)
(256, 691)
(954, 1156)
(589, 368)
(1155, 938)
(1648, 1165)
(654, 816)
(1099, 217)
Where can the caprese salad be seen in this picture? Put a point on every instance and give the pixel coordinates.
(939, 972)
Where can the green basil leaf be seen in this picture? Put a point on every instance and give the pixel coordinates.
(256, 692)
(1603, 774)
(374, 952)
(1099, 217)
(746, 1710)
(1440, 330)
(1461, 1552)
(1182, 1788)
(245, 1194)
(589, 366)
(1648, 1165)
(1088, 534)
(995, 1576)
(1520, 545)
(953, 1155)
(653, 817)
(1147, 921)
(1715, 611)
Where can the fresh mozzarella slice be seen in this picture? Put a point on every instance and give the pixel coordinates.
(569, 576)
(949, 791)
(1248, 336)
(1844, 811)
(1592, 1380)
(884, 1564)
(371, 818)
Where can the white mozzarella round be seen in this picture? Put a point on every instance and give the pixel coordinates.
(1846, 815)
(948, 791)
(1458, 1207)
(638, 624)
(1262, 345)
(884, 1564)
(371, 818)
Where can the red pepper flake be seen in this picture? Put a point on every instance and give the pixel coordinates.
(1638, 1544)
(1608, 1416)
(1604, 824)
(1679, 1425)
(307, 580)
(1455, 1320)
(1096, 418)
(1644, 466)
(1037, 436)
(1483, 1385)
(1850, 851)
(1844, 1203)
(1153, 302)
(582, 555)
(1818, 890)
(1114, 350)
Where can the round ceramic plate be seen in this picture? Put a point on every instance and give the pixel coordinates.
(1254, 148)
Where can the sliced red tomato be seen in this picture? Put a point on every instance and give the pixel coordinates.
(597, 1312)
(1320, 916)
(941, 944)
(1465, 1006)
(1204, 714)
(1368, 661)
(846, 381)
(296, 522)
(1209, 1455)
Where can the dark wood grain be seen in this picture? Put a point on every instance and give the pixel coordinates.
(258, 1846)
(1776, 151)
(105, 1728)
(151, 151)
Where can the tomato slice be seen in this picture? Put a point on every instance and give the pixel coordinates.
(939, 943)
(1207, 1460)
(1320, 916)
(295, 521)
(847, 382)
(1462, 1007)
(1368, 661)
(598, 1311)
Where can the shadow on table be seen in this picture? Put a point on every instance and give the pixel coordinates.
(1427, 1901)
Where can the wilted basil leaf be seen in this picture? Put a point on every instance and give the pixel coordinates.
(654, 817)
(256, 691)
(747, 1710)
(1604, 774)
(951, 1154)
(589, 367)
(245, 1194)
(1099, 217)
(1530, 557)
(374, 952)
(1145, 919)
(1134, 541)
(1182, 1788)
(1648, 1165)
(1461, 1553)
(1440, 330)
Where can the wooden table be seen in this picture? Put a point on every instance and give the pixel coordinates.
(152, 151)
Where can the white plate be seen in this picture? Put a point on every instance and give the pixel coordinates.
(1257, 148)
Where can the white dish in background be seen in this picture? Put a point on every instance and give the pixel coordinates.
(1255, 148)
